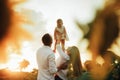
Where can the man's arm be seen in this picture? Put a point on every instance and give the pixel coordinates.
(52, 64)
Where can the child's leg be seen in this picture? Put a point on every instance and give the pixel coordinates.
(55, 46)
(63, 44)
(56, 42)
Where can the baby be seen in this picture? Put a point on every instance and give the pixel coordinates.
(60, 35)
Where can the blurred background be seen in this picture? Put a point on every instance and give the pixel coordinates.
(92, 25)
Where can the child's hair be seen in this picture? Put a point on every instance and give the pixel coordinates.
(59, 20)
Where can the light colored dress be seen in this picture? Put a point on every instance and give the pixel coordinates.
(61, 33)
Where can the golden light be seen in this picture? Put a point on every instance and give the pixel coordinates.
(28, 54)
(14, 60)
(100, 60)
(20, 36)
(13, 37)
(13, 63)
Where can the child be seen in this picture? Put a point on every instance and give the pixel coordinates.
(60, 35)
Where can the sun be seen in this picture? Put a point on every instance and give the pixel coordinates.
(13, 63)
(24, 62)
(17, 63)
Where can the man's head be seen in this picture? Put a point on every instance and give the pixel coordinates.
(47, 39)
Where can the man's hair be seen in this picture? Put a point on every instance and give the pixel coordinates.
(47, 39)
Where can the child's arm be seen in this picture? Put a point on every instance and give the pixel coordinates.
(55, 34)
(66, 35)
(65, 32)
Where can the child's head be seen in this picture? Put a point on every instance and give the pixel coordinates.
(59, 22)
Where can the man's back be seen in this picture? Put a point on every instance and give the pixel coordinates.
(46, 63)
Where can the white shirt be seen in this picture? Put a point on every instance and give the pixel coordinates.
(63, 57)
(46, 63)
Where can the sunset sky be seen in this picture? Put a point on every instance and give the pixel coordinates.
(44, 13)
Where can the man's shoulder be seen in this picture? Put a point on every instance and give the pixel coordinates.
(40, 48)
(47, 49)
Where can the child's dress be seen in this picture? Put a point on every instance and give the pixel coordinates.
(61, 33)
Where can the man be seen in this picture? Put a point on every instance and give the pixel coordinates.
(46, 60)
